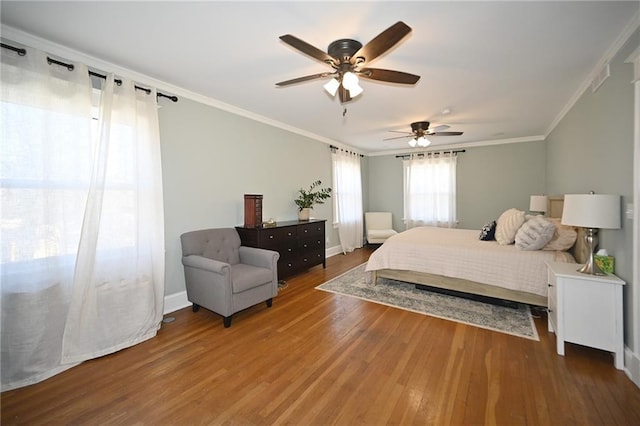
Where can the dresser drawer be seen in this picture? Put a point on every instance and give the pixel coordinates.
(278, 236)
(312, 258)
(311, 243)
(311, 229)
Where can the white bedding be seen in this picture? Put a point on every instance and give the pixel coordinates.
(459, 253)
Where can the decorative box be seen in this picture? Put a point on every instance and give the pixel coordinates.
(605, 263)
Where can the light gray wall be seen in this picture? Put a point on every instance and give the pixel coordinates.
(495, 178)
(592, 149)
(211, 158)
(490, 180)
(385, 187)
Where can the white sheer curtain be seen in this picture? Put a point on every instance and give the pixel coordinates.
(347, 199)
(82, 245)
(430, 190)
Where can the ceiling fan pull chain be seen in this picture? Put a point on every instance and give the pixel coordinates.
(344, 112)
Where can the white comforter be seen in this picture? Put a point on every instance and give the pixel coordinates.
(459, 253)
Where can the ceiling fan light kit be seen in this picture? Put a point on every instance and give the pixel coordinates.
(420, 141)
(348, 58)
(419, 132)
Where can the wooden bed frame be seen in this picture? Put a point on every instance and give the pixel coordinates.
(555, 205)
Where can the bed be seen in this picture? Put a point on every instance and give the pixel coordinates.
(456, 259)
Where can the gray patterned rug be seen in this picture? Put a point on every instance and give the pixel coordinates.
(401, 295)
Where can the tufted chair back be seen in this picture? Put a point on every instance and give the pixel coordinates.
(221, 244)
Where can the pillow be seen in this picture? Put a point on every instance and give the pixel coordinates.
(508, 224)
(534, 234)
(488, 231)
(563, 238)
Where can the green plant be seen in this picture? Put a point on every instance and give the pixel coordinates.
(314, 195)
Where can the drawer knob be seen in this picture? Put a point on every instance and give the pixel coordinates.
(289, 233)
(271, 236)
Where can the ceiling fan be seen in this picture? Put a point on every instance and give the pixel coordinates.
(419, 132)
(349, 58)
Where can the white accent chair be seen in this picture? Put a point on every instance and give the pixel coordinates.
(378, 227)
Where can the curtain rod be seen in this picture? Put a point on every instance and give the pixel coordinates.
(342, 149)
(429, 153)
(70, 67)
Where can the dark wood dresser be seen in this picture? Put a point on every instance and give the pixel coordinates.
(301, 244)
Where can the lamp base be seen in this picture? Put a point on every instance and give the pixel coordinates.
(591, 240)
(591, 269)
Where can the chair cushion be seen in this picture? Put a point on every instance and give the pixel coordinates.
(380, 233)
(222, 245)
(245, 277)
(378, 220)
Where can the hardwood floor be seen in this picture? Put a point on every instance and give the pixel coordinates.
(320, 358)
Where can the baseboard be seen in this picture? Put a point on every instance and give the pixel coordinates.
(332, 251)
(176, 301)
(632, 365)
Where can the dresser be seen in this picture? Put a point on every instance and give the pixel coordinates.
(586, 309)
(301, 244)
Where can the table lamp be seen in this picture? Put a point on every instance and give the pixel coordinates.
(593, 212)
(538, 203)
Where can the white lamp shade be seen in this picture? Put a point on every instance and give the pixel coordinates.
(350, 81)
(355, 90)
(538, 203)
(591, 211)
(332, 86)
(413, 142)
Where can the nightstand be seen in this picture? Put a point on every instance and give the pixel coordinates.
(585, 309)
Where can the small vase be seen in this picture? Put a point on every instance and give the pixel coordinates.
(304, 214)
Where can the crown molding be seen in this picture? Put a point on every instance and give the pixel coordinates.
(536, 138)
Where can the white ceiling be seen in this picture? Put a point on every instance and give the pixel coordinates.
(506, 70)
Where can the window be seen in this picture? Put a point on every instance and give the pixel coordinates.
(430, 191)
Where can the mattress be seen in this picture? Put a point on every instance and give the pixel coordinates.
(459, 253)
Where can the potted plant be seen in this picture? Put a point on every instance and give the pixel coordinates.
(308, 198)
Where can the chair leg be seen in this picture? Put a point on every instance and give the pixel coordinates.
(269, 303)
(227, 321)
(195, 308)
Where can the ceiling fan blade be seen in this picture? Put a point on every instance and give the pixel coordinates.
(446, 134)
(308, 49)
(389, 75)
(438, 128)
(305, 78)
(381, 43)
(399, 131)
(399, 137)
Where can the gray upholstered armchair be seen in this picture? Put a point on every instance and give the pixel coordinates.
(225, 277)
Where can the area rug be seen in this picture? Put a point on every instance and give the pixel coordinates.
(515, 321)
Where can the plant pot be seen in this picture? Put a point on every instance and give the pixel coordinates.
(304, 214)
